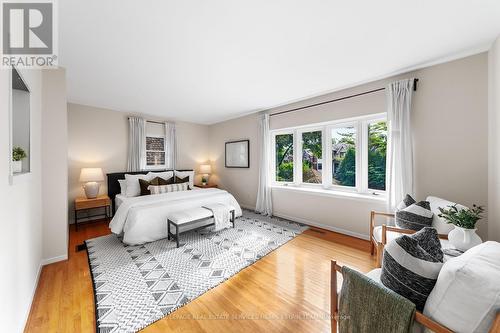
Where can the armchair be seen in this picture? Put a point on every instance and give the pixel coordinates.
(380, 235)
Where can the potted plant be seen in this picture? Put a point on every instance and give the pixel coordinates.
(18, 154)
(464, 236)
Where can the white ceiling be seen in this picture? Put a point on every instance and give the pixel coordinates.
(206, 61)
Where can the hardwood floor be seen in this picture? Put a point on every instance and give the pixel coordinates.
(288, 290)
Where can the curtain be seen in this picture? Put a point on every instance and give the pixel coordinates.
(264, 203)
(136, 144)
(399, 180)
(170, 146)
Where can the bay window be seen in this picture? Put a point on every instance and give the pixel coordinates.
(345, 155)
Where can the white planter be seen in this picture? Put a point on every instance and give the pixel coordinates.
(463, 239)
(17, 166)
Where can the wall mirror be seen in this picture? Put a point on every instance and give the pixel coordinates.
(20, 115)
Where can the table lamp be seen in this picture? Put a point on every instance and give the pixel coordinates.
(91, 177)
(205, 170)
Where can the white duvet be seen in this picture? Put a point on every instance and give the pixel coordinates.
(144, 219)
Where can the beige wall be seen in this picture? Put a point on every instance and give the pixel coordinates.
(494, 142)
(450, 121)
(54, 166)
(99, 138)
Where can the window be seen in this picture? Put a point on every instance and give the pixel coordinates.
(155, 145)
(377, 147)
(284, 157)
(344, 156)
(347, 155)
(312, 151)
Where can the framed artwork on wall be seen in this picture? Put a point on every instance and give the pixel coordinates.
(237, 154)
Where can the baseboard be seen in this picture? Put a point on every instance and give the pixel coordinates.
(33, 292)
(54, 259)
(323, 226)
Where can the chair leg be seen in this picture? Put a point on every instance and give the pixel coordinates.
(372, 246)
(168, 230)
(380, 251)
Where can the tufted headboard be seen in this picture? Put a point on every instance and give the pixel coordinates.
(114, 186)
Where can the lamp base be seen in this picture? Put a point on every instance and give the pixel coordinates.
(91, 190)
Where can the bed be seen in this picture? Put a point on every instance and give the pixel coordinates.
(143, 219)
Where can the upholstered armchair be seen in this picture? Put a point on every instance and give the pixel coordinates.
(380, 235)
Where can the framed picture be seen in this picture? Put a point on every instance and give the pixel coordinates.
(238, 154)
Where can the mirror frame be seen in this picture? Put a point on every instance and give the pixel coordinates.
(13, 178)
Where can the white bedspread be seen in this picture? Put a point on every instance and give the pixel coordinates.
(143, 219)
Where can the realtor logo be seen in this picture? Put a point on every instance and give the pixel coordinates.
(28, 36)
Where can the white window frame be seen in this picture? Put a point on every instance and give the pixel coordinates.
(360, 123)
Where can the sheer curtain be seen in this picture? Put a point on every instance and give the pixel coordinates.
(136, 160)
(170, 146)
(400, 146)
(264, 203)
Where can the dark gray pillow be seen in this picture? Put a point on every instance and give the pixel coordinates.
(411, 265)
(407, 201)
(415, 217)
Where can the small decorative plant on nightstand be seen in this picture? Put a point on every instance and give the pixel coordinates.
(464, 236)
(18, 154)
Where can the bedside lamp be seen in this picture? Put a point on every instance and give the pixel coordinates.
(91, 177)
(205, 170)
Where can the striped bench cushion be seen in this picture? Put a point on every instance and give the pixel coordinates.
(411, 265)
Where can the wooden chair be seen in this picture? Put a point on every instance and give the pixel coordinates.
(419, 317)
(377, 243)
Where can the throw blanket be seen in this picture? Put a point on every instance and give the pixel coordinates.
(222, 215)
(367, 306)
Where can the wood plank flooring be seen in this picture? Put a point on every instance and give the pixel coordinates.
(288, 290)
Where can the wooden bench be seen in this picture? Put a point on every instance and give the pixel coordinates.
(189, 217)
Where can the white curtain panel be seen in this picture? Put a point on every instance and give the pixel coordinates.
(399, 180)
(136, 144)
(264, 203)
(170, 146)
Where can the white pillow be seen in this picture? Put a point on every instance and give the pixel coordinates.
(466, 296)
(184, 174)
(123, 186)
(437, 222)
(159, 189)
(133, 187)
(166, 175)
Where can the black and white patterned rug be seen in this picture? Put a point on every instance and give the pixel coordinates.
(135, 286)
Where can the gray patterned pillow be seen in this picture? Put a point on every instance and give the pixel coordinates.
(415, 217)
(411, 265)
(407, 201)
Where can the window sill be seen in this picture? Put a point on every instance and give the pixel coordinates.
(332, 193)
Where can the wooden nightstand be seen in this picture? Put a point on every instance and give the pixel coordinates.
(102, 201)
(207, 186)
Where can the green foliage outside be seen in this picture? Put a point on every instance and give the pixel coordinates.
(377, 149)
(284, 157)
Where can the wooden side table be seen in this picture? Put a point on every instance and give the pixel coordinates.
(102, 201)
(207, 186)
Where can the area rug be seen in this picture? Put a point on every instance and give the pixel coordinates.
(135, 286)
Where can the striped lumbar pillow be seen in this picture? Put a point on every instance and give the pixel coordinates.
(415, 217)
(168, 188)
(407, 201)
(411, 265)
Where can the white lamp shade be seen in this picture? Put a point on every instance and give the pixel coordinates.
(205, 169)
(91, 175)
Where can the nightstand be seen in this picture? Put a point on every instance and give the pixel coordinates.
(207, 186)
(102, 201)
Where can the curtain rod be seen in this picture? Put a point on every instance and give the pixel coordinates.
(415, 81)
(152, 121)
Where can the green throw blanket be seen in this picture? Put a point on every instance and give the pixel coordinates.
(367, 306)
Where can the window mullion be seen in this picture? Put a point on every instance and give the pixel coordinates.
(364, 157)
(327, 157)
(297, 157)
